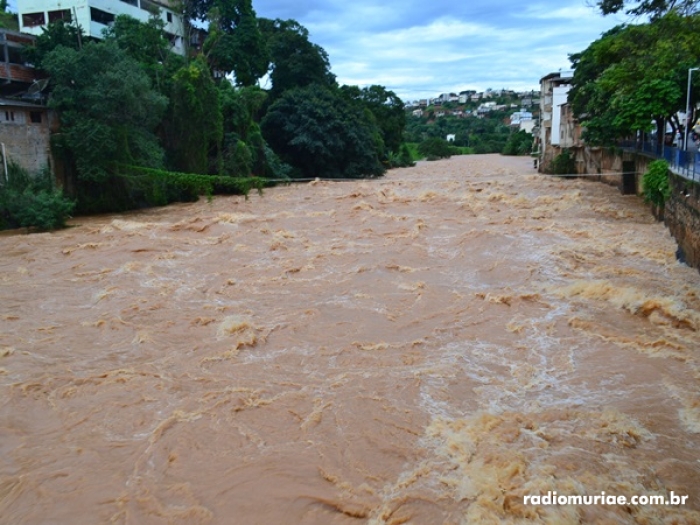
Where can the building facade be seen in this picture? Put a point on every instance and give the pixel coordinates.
(94, 16)
(556, 122)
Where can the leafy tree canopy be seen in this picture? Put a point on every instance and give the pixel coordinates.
(295, 60)
(319, 132)
(634, 74)
(107, 107)
(193, 126)
(7, 20)
(235, 43)
(55, 34)
(388, 110)
(652, 8)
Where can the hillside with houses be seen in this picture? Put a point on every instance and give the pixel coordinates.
(481, 121)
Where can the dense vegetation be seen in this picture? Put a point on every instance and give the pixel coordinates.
(32, 201)
(655, 184)
(141, 125)
(634, 78)
(487, 133)
(7, 20)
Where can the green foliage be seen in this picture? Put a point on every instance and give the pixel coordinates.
(235, 42)
(321, 134)
(655, 183)
(563, 164)
(107, 107)
(133, 187)
(482, 135)
(148, 44)
(435, 148)
(387, 108)
(32, 201)
(412, 149)
(245, 151)
(194, 123)
(635, 75)
(59, 33)
(144, 42)
(652, 8)
(8, 20)
(295, 61)
(519, 143)
(401, 159)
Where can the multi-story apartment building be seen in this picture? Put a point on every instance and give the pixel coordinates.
(96, 15)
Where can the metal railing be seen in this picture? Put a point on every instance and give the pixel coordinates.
(685, 163)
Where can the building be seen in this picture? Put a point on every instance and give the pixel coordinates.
(25, 134)
(522, 120)
(15, 75)
(553, 99)
(25, 124)
(94, 16)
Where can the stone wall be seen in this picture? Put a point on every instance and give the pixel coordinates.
(682, 212)
(682, 217)
(25, 132)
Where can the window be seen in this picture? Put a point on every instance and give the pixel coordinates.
(135, 3)
(14, 55)
(10, 116)
(149, 6)
(101, 17)
(35, 117)
(169, 16)
(61, 14)
(33, 19)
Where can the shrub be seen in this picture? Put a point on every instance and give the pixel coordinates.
(655, 183)
(435, 148)
(32, 201)
(519, 143)
(401, 159)
(563, 164)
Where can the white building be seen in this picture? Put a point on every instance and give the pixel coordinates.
(553, 100)
(95, 15)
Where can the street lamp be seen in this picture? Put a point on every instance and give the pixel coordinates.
(687, 107)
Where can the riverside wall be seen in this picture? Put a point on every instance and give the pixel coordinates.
(625, 170)
(682, 217)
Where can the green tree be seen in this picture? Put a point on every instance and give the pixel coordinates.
(295, 61)
(107, 107)
(244, 150)
(148, 44)
(193, 127)
(52, 36)
(435, 148)
(235, 43)
(321, 134)
(519, 143)
(652, 8)
(388, 110)
(8, 20)
(634, 75)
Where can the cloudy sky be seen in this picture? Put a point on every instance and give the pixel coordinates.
(422, 49)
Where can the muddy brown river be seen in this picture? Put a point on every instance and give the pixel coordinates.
(425, 348)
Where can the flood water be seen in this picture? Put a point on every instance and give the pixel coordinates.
(424, 348)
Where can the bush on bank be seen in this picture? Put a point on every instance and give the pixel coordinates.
(655, 184)
(133, 187)
(32, 201)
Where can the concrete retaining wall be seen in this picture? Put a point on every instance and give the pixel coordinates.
(682, 216)
(682, 212)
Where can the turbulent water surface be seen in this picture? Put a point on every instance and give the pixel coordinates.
(425, 348)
